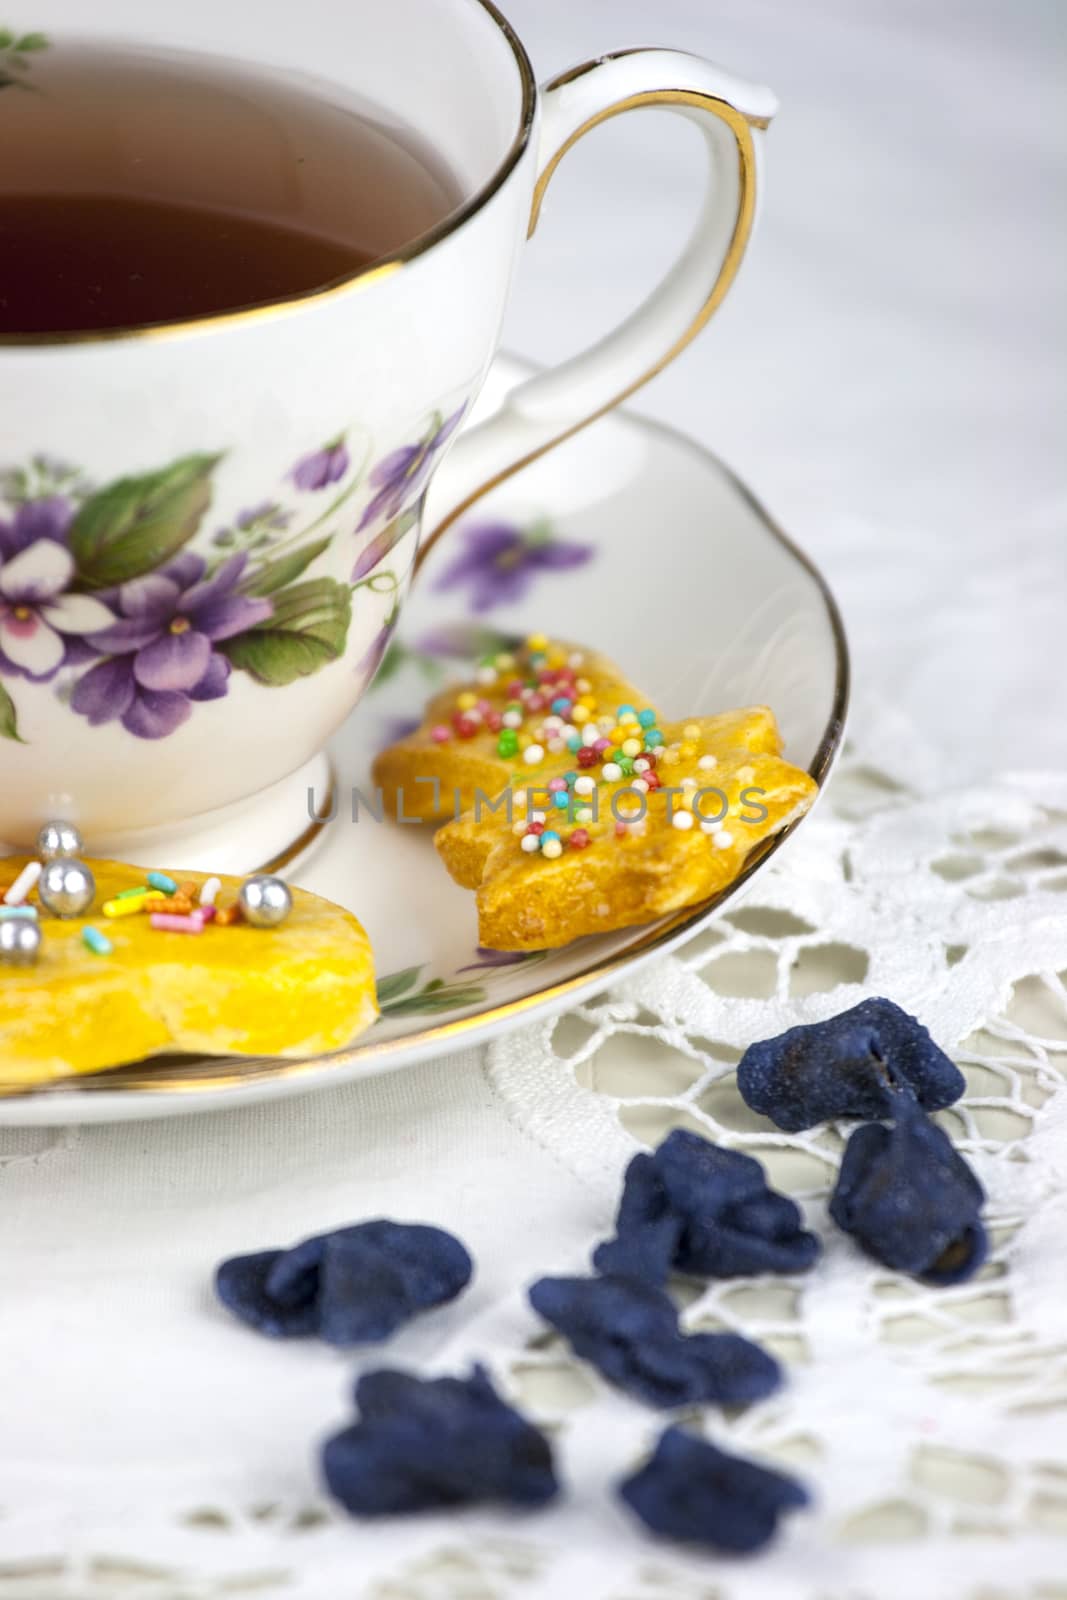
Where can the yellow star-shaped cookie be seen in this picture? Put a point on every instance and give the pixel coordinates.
(634, 838)
(512, 721)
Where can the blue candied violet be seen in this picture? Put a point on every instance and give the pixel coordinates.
(691, 1491)
(695, 1207)
(629, 1331)
(241, 1285)
(910, 1199)
(425, 1443)
(355, 1285)
(852, 1065)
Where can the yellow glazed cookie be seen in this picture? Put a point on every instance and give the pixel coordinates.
(635, 838)
(296, 990)
(510, 723)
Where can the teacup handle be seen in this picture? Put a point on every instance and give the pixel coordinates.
(547, 409)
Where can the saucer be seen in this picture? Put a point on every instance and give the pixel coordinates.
(629, 538)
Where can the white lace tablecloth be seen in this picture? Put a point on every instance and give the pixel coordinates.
(886, 375)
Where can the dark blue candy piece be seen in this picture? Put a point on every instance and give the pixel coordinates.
(356, 1285)
(909, 1198)
(647, 1228)
(630, 1333)
(852, 1065)
(701, 1209)
(422, 1443)
(691, 1491)
(241, 1284)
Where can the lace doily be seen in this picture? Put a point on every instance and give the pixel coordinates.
(929, 1423)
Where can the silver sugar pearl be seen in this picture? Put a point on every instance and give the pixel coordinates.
(20, 943)
(58, 839)
(265, 902)
(66, 887)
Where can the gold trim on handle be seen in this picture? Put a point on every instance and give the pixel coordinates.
(741, 128)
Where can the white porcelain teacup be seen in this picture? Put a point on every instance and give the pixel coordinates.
(154, 686)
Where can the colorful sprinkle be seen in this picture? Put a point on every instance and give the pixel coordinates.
(130, 906)
(579, 839)
(533, 755)
(530, 843)
(722, 840)
(706, 763)
(164, 923)
(682, 820)
(440, 734)
(22, 885)
(18, 913)
(612, 772)
(210, 891)
(551, 848)
(160, 881)
(647, 719)
(97, 942)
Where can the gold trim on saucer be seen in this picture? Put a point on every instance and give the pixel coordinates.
(352, 281)
(741, 128)
(181, 1075)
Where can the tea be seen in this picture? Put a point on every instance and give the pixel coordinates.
(138, 189)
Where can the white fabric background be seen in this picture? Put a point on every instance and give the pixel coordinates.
(888, 375)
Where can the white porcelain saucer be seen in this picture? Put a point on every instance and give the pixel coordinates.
(632, 539)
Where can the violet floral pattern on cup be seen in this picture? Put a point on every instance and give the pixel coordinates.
(106, 602)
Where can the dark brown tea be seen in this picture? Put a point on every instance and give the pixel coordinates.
(138, 189)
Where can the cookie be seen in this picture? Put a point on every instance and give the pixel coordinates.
(635, 838)
(524, 713)
(296, 990)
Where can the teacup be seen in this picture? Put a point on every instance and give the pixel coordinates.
(123, 454)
